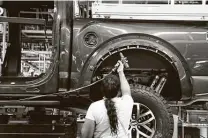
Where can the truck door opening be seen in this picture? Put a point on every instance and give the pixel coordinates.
(26, 44)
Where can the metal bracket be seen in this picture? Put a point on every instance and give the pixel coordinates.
(158, 86)
(161, 84)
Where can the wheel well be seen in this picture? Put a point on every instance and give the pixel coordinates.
(142, 58)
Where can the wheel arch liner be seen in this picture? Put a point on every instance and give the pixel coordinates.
(138, 41)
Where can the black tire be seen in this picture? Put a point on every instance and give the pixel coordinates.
(158, 106)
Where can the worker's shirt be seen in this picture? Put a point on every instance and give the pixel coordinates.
(98, 112)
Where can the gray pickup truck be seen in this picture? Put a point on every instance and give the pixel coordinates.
(168, 68)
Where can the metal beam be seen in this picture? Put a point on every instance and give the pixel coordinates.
(34, 134)
(29, 12)
(22, 20)
(29, 103)
(37, 32)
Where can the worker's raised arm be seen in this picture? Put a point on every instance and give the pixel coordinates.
(125, 87)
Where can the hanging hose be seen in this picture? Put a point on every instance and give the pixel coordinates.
(67, 92)
(123, 60)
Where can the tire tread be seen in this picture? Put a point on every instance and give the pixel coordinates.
(145, 90)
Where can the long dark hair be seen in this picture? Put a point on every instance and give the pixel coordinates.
(110, 87)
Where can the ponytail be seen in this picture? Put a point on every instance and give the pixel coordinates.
(112, 115)
(110, 87)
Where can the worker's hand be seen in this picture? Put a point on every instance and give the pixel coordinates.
(120, 66)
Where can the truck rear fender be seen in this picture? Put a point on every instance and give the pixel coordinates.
(155, 44)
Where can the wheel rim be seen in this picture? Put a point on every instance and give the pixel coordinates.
(143, 122)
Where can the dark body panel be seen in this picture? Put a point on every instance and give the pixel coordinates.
(188, 42)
